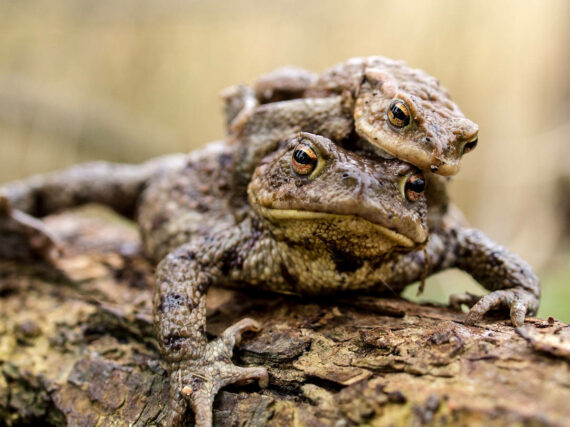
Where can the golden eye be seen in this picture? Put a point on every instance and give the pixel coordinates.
(470, 145)
(414, 187)
(399, 114)
(304, 159)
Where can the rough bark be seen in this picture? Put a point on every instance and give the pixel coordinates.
(77, 347)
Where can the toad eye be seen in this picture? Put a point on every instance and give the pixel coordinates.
(304, 159)
(399, 114)
(470, 145)
(414, 187)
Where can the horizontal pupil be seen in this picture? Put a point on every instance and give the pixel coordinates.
(302, 157)
(399, 113)
(417, 186)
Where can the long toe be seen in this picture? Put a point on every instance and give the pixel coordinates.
(520, 302)
(233, 333)
(200, 386)
(202, 402)
(26, 237)
(518, 313)
(486, 303)
(223, 347)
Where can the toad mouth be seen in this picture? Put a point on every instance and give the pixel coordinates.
(292, 214)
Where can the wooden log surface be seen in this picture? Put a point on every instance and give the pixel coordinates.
(77, 348)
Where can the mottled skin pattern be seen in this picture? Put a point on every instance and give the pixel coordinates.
(357, 95)
(263, 128)
(283, 84)
(348, 225)
(348, 103)
(117, 186)
(438, 131)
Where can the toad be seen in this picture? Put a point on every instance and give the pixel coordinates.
(398, 110)
(318, 219)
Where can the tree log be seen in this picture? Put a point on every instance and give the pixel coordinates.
(77, 348)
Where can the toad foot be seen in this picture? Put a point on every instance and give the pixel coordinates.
(520, 302)
(197, 382)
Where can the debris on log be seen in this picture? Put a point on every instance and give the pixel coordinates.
(77, 348)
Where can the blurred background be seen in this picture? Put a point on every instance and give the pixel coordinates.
(129, 80)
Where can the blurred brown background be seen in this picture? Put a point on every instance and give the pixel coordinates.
(129, 80)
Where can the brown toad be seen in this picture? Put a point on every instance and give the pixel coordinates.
(319, 220)
(401, 111)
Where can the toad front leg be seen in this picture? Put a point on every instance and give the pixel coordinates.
(510, 279)
(198, 369)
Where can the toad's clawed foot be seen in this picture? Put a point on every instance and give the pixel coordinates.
(197, 382)
(25, 237)
(519, 301)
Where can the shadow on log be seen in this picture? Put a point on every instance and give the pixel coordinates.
(77, 348)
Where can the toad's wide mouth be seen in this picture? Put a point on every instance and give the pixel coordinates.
(276, 215)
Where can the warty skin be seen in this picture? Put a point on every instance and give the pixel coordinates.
(297, 235)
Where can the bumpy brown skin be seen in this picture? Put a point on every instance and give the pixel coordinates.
(297, 236)
(436, 136)
(117, 186)
(260, 131)
(357, 94)
(283, 83)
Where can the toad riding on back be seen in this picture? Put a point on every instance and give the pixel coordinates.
(293, 201)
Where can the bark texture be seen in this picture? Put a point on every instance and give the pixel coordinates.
(77, 348)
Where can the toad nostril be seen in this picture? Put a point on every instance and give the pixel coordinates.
(349, 181)
(470, 145)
